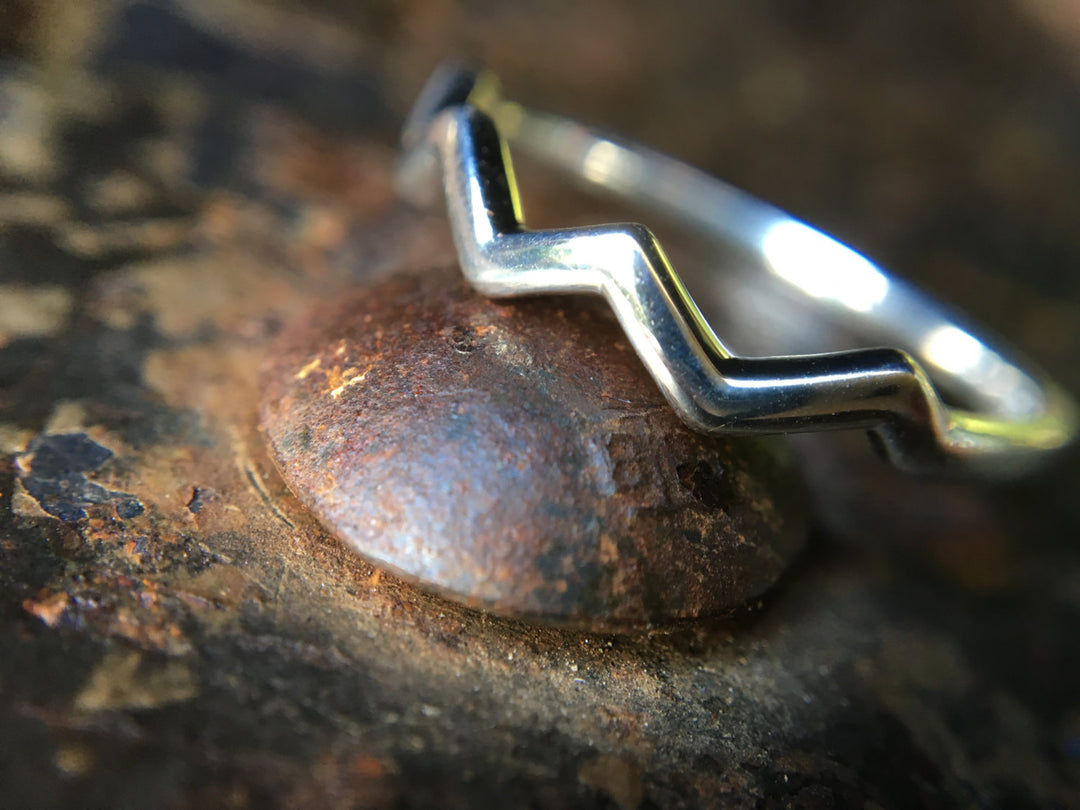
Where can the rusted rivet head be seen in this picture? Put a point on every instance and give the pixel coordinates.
(517, 456)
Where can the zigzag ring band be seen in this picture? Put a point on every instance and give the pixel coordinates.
(1011, 419)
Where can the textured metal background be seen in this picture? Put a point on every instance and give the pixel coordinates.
(180, 178)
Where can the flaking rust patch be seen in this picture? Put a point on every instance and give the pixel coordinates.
(350, 378)
(13, 439)
(308, 368)
(24, 504)
(32, 310)
(128, 680)
(190, 296)
(222, 584)
(53, 471)
(68, 416)
(49, 607)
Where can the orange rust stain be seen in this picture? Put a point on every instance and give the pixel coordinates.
(130, 552)
(49, 608)
(303, 373)
(369, 767)
(353, 379)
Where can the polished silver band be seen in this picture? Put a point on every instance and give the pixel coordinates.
(1014, 419)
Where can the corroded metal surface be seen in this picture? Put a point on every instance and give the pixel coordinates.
(178, 180)
(519, 457)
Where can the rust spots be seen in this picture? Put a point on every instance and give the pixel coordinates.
(48, 606)
(309, 367)
(349, 377)
(220, 584)
(131, 680)
(200, 496)
(518, 458)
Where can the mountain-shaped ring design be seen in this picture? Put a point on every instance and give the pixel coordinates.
(1015, 419)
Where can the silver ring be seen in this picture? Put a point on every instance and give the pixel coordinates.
(1014, 417)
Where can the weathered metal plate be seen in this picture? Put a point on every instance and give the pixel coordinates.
(517, 456)
(178, 179)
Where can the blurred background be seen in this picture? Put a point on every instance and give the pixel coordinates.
(180, 178)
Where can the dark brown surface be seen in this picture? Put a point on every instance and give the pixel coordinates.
(518, 456)
(180, 180)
